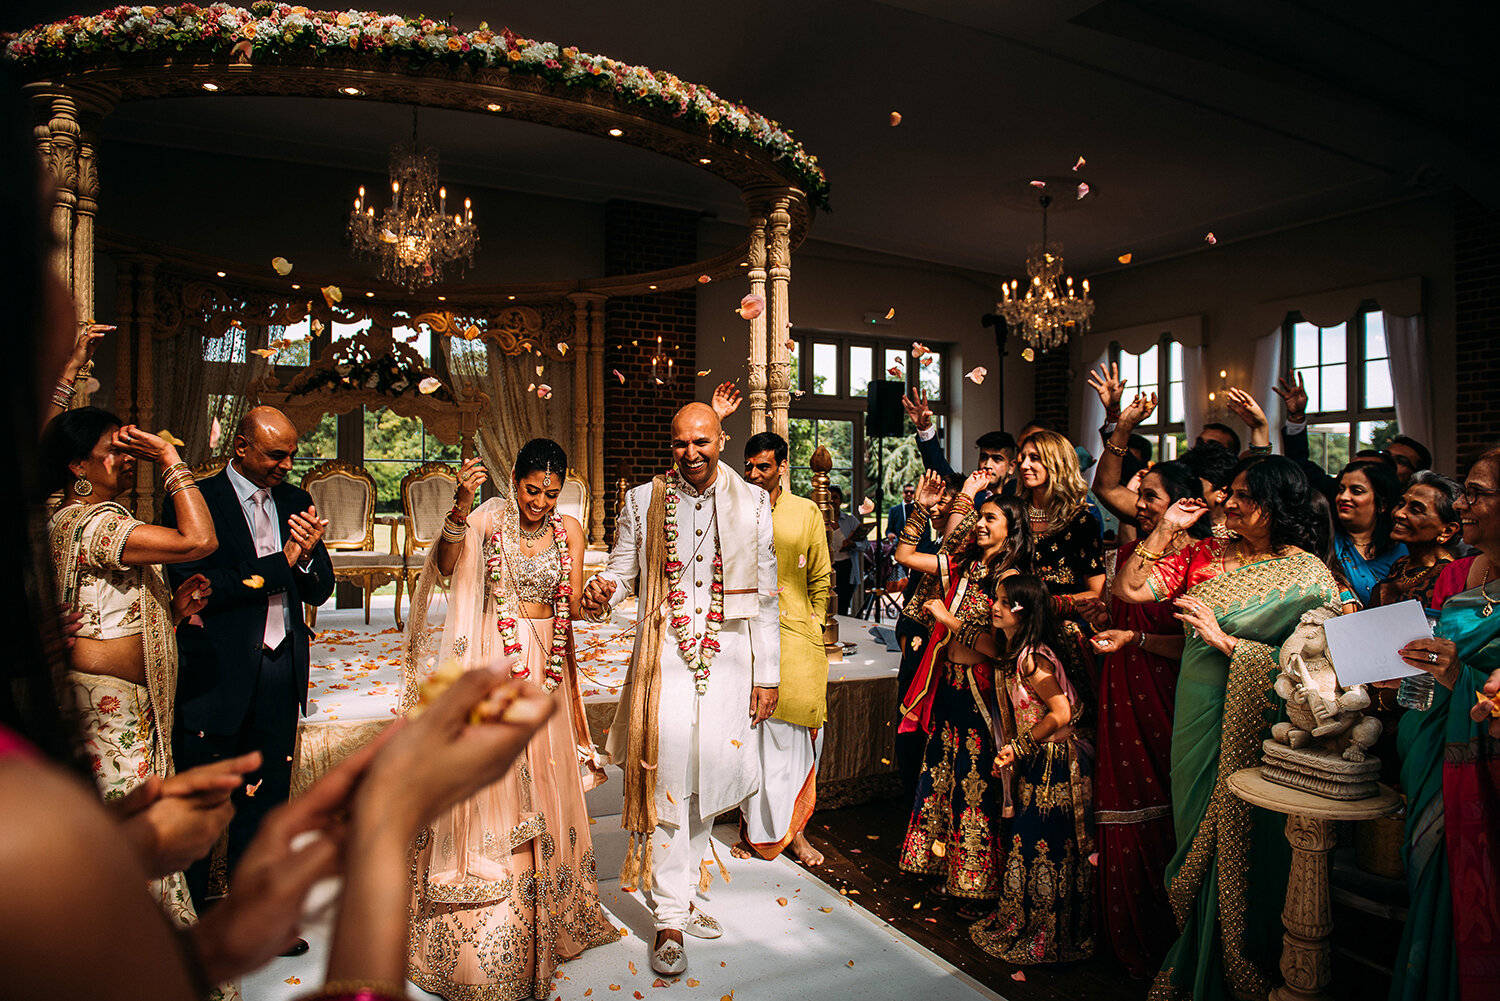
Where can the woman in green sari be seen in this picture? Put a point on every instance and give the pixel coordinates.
(1240, 598)
(1450, 770)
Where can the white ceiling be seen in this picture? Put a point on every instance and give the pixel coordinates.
(1194, 115)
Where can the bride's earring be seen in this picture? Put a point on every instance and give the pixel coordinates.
(82, 487)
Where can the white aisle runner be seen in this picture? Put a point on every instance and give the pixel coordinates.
(817, 944)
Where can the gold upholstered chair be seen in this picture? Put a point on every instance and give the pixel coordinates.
(210, 467)
(344, 494)
(576, 499)
(426, 498)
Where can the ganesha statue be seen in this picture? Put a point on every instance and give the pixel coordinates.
(1322, 745)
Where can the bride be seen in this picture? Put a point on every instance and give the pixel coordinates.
(504, 885)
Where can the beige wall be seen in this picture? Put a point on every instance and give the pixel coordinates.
(1230, 283)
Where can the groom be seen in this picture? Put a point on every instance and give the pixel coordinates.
(695, 546)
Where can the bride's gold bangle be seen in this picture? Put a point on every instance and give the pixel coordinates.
(1148, 556)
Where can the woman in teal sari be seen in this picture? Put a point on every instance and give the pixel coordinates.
(1240, 598)
(1450, 770)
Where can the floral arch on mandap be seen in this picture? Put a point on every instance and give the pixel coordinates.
(79, 69)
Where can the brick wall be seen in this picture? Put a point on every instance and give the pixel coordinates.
(1050, 375)
(1476, 268)
(638, 414)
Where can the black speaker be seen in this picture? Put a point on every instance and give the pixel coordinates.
(885, 418)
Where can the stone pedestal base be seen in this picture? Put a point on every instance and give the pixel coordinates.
(1320, 771)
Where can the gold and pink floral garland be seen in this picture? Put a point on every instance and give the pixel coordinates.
(272, 29)
(698, 652)
(502, 545)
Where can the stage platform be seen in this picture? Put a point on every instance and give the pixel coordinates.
(355, 682)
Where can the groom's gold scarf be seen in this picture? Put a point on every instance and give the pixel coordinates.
(639, 766)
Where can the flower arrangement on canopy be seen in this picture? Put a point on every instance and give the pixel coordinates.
(270, 30)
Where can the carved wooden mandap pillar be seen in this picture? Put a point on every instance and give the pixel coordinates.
(757, 380)
(778, 312)
(588, 404)
(64, 133)
(596, 419)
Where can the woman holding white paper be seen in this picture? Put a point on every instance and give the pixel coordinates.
(1450, 772)
(1241, 597)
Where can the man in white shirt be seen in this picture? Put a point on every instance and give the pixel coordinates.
(696, 547)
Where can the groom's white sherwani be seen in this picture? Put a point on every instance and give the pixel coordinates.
(706, 760)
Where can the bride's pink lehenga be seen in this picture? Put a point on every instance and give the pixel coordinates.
(504, 887)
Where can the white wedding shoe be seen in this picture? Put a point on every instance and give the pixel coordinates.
(669, 958)
(700, 925)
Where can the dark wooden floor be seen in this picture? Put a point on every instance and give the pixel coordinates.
(860, 844)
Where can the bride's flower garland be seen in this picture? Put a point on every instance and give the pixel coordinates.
(503, 545)
(698, 652)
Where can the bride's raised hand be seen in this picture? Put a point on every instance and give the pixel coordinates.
(471, 476)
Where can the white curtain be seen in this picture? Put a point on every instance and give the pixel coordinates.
(1267, 371)
(1090, 412)
(1194, 391)
(516, 414)
(201, 379)
(1405, 337)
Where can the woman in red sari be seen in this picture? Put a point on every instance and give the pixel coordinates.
(1141, 654)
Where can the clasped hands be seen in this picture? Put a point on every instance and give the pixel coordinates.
(596, 595)
(304, 531)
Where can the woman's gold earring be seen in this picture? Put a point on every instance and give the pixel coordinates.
(82, 487)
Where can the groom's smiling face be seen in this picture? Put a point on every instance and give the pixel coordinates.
(696, 437)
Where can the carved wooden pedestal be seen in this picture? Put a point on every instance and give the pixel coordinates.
(1306, 956)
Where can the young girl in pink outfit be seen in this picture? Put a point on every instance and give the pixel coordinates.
(1045, 912)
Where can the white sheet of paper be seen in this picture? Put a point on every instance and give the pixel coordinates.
(1363, 645)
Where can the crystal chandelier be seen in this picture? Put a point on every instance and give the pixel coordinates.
(415, 237)
(1049, 311)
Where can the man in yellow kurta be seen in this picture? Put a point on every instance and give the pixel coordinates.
(789, 743)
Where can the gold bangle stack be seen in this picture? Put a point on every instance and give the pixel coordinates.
(454, 531)
(1114, 449)
(1146, 555)
(177, 477)
(911, 532)
(963, 504)
(63, 395)
(1024, 745)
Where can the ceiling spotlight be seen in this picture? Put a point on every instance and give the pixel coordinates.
(442, 298)
(296, 286)
(617, 132)
(494, 107)
(704, 160)
(653, 288)
(352, 91)
(220, 274)
(369, 295)
(510, 297)
(210, 87)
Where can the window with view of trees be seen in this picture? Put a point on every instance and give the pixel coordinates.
(1157, 370)
(1351, 404)
(830, 376)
